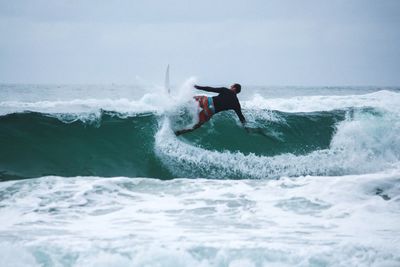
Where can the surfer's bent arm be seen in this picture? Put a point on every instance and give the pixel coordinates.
(211, 89)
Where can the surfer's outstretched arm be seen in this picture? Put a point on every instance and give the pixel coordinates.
(179, 132)
(211, 89)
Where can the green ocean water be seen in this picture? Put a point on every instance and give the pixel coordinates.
(36, 144)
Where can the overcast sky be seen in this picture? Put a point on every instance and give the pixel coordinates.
(311, 42)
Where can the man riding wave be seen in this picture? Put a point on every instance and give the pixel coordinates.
(225, 100)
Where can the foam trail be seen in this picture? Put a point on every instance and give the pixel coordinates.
(181, 158)
(357, 142)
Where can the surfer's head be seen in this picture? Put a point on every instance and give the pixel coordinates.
(236, 87)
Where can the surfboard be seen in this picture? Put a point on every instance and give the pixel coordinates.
(166, 84)
(167, 88)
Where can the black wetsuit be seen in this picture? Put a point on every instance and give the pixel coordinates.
(226, 100)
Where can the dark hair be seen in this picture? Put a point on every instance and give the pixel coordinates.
(238, 88)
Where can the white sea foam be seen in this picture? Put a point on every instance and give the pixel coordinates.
(386, 100)
(303, 221)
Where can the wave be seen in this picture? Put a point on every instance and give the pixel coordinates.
(106, 143)
(39, 144)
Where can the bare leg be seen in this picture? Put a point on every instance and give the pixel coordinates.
(179, 132)
(202, 118)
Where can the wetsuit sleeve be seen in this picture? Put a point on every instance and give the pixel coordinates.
(211, 89)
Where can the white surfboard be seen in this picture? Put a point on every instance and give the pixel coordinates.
(166, 84)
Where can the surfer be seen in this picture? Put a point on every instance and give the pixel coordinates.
(225, 100)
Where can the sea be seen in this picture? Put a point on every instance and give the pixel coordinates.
(93, 175)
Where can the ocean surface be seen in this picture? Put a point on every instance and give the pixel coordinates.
(93, 175)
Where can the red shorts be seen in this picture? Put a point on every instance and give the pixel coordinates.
(207, 108)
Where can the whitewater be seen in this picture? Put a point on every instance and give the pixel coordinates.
(93, 175)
